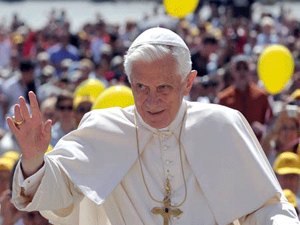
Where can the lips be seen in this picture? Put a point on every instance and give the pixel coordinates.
(156, 113)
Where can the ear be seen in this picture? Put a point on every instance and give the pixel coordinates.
(189, 81)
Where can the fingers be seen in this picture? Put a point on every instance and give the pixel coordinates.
(36, 113)
(18, 115)
(12, 126)
(47, 128)
(24, 109)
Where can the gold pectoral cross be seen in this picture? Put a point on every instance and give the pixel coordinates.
(166, 211)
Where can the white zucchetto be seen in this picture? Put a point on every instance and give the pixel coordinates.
(161, 36)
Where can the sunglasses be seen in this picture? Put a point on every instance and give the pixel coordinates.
(83, 109)
(244, 67)
(63, 108)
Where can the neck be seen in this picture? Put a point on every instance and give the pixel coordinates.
(242, 88)
(67, 126)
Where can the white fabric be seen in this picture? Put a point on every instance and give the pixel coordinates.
(223, 164)
(161, 36)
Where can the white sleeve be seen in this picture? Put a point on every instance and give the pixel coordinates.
(48, 189)
(30, 184)
(277, 211)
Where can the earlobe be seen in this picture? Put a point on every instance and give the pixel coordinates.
(190, 80)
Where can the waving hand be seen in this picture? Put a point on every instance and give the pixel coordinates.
(32, 134)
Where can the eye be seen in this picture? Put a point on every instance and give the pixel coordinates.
(140, 86)
(164, 89)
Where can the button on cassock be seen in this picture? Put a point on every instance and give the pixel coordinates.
(165, 148)
(168, 162)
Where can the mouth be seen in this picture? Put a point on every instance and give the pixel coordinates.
(156, 113)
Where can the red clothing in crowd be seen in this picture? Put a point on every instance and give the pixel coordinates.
(253, 103)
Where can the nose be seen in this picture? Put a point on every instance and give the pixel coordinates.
(152, 99)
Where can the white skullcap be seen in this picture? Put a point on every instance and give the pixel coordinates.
(161, 36)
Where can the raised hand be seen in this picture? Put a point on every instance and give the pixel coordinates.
(32, 134)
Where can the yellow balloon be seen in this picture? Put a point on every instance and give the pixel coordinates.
(89, 87)
(114, 96)
(180, 8)
(275, 67)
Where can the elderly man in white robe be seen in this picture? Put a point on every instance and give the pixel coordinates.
(162, 161)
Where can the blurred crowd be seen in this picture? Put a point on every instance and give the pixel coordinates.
(225, 49)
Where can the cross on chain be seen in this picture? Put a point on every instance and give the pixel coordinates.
(166, 211)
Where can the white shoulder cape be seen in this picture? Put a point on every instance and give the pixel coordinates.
(220, 146)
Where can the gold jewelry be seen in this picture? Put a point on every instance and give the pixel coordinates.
(17, 123)
(168, 186)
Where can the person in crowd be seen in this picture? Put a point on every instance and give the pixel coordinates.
(49, 83)
(244, 95)
(65, 116)
(64, 50)
(5, 49)
(268, 34)
(43, 59)
(86, 67)
(18, 86)
(105, 167)
(99, 39)
(14, 65)
(283, 134)
(102, 72)
(48, 109)
(287, 169)
(130, 32)
(201, 56)
(9, 215)
(82, 105)
(6, 166)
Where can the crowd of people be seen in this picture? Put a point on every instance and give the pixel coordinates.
(225, 50)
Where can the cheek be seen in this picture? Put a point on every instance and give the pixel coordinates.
(139, 99)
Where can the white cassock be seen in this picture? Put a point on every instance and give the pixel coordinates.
(93, 175)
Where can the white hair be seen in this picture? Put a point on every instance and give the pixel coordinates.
(151, 52)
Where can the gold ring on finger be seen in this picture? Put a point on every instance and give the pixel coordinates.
(18, 123)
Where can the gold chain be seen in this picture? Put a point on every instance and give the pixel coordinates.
(180, 154)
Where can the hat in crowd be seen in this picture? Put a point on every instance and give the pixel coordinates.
(80, 99)
(296, 94)
(241, 58)
(12, 155)
(6, 164)
(86, 63)
(66, 63)
(194, 31)
(116, 61)
(43, 56)
(5, 73)
(287, 163)
(17, 38)
(267, 21)
(291, 197)
(49, 71)
(106, 49)
(83, 35)
(160, 36)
